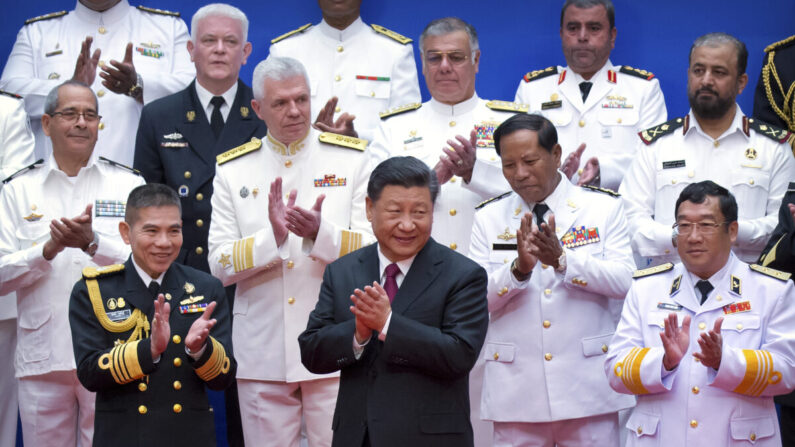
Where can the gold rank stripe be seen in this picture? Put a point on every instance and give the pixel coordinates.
(343, 140)
(217, 363)
(351, 241)
(124, 365)
(507, 106)
(759, 373)
(630, 371)
(243, 254)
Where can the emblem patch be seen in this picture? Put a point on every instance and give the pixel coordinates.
(109, 208)
(193, 308)
(149, 52)
(119, 315)
(330, 180)
(183, 191)
(33, 217)
(173, 136)
(485, 133)
(616, 102)
(189, 288)
(580, 236)
(734, 308)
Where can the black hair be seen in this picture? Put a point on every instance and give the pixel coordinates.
(716, 39)
(547, 135)
(698, 192)
(402, 171)
(586, 4)
(149, 195)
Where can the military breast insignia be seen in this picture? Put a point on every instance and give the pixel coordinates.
(507, 235)
(330, 180)
(189, 288)
(555, 104)
(33, 217)
(109, 208)
(111, 304)
(190, 115)
(243, 192)
(677, 282)
(735, 308)
(183, 190)
(750, 153)
(244, 112)
(173, 136)
(192, 299)
(225, 260)
(616, 102)
(119, 315)
(580, 236)
(53, 53)
(193, 308)
(149, 52)
(53, 76)
(669, 306)
(174, 144)
(485, 133)
(373, 78)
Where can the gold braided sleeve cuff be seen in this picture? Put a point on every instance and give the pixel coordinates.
(351, 241)
(217, 364)
(123, 363)
(629, 370)
(243, 254)
(759, 373)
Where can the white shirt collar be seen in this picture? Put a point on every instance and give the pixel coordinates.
(403, 265)
(735, 127)
(557, 197)
(601, 74)
(718, 277)
(145, 276)
(107, 17)
(342, 35)
(205, 97)
(52, 165)
(461, 108)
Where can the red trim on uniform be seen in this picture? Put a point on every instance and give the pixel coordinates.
(746, 127)
(561, 77)
(687, 124)
(611, 76)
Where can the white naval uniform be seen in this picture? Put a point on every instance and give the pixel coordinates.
(46, 50)
(619, 105)
(334, 59)
(693, 405)
(277, 287)
(423, 133)
(16, 152)
(44, 349)
(755, 168)
(548, 335)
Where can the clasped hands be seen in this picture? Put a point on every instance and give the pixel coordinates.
(290, 218)
(459, 159)
(535, 244)
(590, 172)
(76, 233)
(118, 78)
(161, 329)
(372, 308)
(676, 341)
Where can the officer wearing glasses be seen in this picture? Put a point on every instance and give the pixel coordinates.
(705, 344)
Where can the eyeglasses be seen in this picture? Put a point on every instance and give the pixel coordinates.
(704, 227)
(456, 57)
(72, 116)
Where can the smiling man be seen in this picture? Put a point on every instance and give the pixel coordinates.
(403, 320)
(705, 344)
(150, 334)
(715, 141)
(58, 217)
(558, 257)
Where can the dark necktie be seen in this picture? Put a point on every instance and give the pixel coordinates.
(390, 285)
(539, 210)
(705, 287)
(154, 289)
(216, 120)
(585, 88)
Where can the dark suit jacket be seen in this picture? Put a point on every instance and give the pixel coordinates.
(781, 71)
(141, 412)
(411, 390)
(177, 148)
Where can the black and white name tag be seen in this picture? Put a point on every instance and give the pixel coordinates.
(119, 315)
(503, 247)
(551, 105)
(669, 306)
(673, 164)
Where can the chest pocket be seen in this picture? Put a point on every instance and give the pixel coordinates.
(739, 323)
(33, 233)
(372, 88)
(656, 318)
(750, 187)
(618, 117)
(670, 183)
(500, 257)
(559, 117)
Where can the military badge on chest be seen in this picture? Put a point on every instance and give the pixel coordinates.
(109, 208)
(412, 141)
(149, 49)
(485, 133)
(576, 237)
(330, 180)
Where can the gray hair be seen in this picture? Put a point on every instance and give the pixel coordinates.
(587, 4)
(276, 68)
(51, 102)
(149, 195)
(719, 39)
(218, 10)
(447, 25)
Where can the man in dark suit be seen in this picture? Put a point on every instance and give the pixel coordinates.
(149, 352)
(180, 135)
(404, 321)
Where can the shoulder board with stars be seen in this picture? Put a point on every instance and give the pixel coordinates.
(508, 106)
(162, 12)
(539, 74)
(637, 72)
(493, 199)
(651, 134)
(391, 34)
(239, 151)
(774, 133)
(780, 44)
(652, 270)
(607, 191)
(343, 141)
(398, 110)
(98, 272)
(119, 165)
(49, 16)
(292, 33)
(778, 274)
(27, 168)
(13, 95)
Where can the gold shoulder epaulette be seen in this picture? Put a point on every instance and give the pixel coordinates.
(778, 274)
(637, 72)
(98, 272)
(391, 34)
(651, 134)
(162, 12)
(343, 141)
(23, 170)
(13, 95)
(493, 199)
(508, 106)
(239, 151)
(772, 132)
(400, 109)
(119, 165)
(49, 16)
(291, 33)
(602, 190)
(652, 270)
(780, 44)
(538, 74)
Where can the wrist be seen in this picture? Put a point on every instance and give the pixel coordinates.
(518, 273)
(91, 248)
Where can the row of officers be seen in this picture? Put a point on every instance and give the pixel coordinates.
(320, 117)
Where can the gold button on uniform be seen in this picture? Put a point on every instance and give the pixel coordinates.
(337, 109)
(547, 291)
(453, 212)
(453, 180)
(619, 121)
(101, 126)
(101, 93)
(581, 123)
(177, 408)
(752, 437)
(177, 362)
(453, 246)
(694, 423)
(751, 181)
(102, 30)
(544, 266)
(187, 174)
(288, 163)
(177, 385)
(640, 430)
(579, 171)
(290, 264)
(716, 143)
(547, 324)
(496, 356)
(547, 356)
(142, 387)
(604, 348)
(199, 250)
(739, 326)
(176, 339)
(695, 390)
(691, 174)
(290, 300)
(452, 123)
(719, 298)
(502, 291)
(702, 325)
(337, 78)
(372, 94)
(199, 223)
(199, 196)
(340, 49)
(673, 181)
(142, 409)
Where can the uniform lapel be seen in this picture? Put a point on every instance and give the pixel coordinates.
(567, 207)
(600, 88)
(571, 90)
(423, 271)
(137, 292)
(686, 295)
(195, 127)
(173, 286)
(369, 267)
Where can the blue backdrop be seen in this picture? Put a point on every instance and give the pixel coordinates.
(516, 36)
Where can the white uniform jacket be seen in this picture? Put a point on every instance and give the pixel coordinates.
(548, 335)
(622, 102)
(32, 199)
(367, 70)
(754, 165)
(16, 138)
(423, 132)
(694, 405)
(46, 51)
(277, 287)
